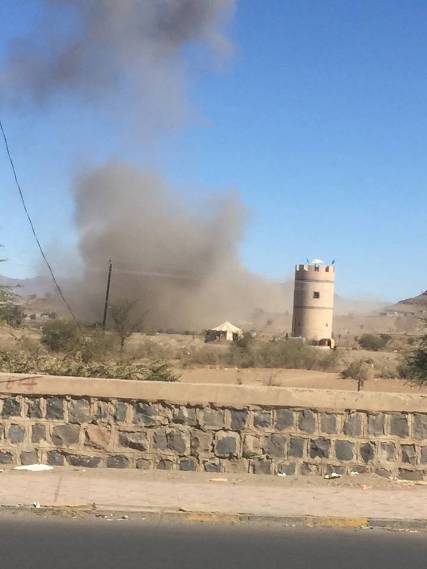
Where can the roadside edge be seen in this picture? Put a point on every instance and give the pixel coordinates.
(173, 516)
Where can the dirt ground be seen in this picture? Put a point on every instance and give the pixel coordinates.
(255, 376)
(293, 378)
(9, 336)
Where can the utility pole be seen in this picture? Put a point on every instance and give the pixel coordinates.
(107, 294)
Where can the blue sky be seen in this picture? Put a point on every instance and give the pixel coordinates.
(318, 122)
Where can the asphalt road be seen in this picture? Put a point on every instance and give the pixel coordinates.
(37, 543)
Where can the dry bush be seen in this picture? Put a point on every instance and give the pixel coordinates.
(10, 312)
(260, 354)
(205, 355)
(16, 361)
(373, 342)
(281, 354)
(65, 337)
(35, 359)
(360, 370)
(150, 349)
(28, 345)
(95, 345)
(389, 370)
(65, 349)
(61, 335)
(124, 320)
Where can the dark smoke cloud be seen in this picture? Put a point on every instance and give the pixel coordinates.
(117, 53)
(181, 264)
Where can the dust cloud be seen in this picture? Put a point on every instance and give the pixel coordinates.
(179, 262)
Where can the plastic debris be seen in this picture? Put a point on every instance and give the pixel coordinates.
(354, 473)
(282, 474)
(36, 505)
(332, 476)
(34, 467)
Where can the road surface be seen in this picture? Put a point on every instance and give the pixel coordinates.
(56, 543)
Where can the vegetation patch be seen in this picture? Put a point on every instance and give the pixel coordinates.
(415, 364)
(373, 342)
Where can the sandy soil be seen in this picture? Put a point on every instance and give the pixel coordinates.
(9, 335)
(293, 378)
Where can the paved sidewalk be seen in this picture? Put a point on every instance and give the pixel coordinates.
(223, 494)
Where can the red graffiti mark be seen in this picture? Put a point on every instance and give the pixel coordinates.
(27, 382)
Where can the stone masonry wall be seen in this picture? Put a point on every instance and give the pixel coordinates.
(114, 433)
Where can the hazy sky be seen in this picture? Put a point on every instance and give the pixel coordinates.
(318, 121)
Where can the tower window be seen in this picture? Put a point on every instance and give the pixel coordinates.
(316, 294)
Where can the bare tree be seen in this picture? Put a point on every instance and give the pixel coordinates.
(124, 320)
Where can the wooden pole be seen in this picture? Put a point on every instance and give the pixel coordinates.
(107, 295)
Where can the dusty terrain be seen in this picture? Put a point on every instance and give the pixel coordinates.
(293, 378)
(279, 377)
(176, 348)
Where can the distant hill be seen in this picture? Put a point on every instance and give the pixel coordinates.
(414, 305)
(357, 305)
(39, 286)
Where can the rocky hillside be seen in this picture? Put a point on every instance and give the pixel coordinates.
(27, 287)
(416, 305)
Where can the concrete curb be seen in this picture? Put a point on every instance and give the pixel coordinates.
(222, 395)
(177, 516)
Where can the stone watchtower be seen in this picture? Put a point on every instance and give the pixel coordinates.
(313, 301)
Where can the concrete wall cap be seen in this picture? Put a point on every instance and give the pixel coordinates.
(237, 396)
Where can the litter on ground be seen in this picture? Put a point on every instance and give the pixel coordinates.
(34, 467)
(332, 476)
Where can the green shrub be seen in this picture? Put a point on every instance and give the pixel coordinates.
(10, 312)
(95, 345)
(415, 364)
(60, 335)
(373, 342)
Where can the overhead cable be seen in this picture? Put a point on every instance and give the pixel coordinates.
(30, 221)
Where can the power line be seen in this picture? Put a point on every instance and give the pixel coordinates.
(155, 274)
(127, 268)
(58, 288)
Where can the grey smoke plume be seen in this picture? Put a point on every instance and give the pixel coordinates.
(180, 263)
(116, 53)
